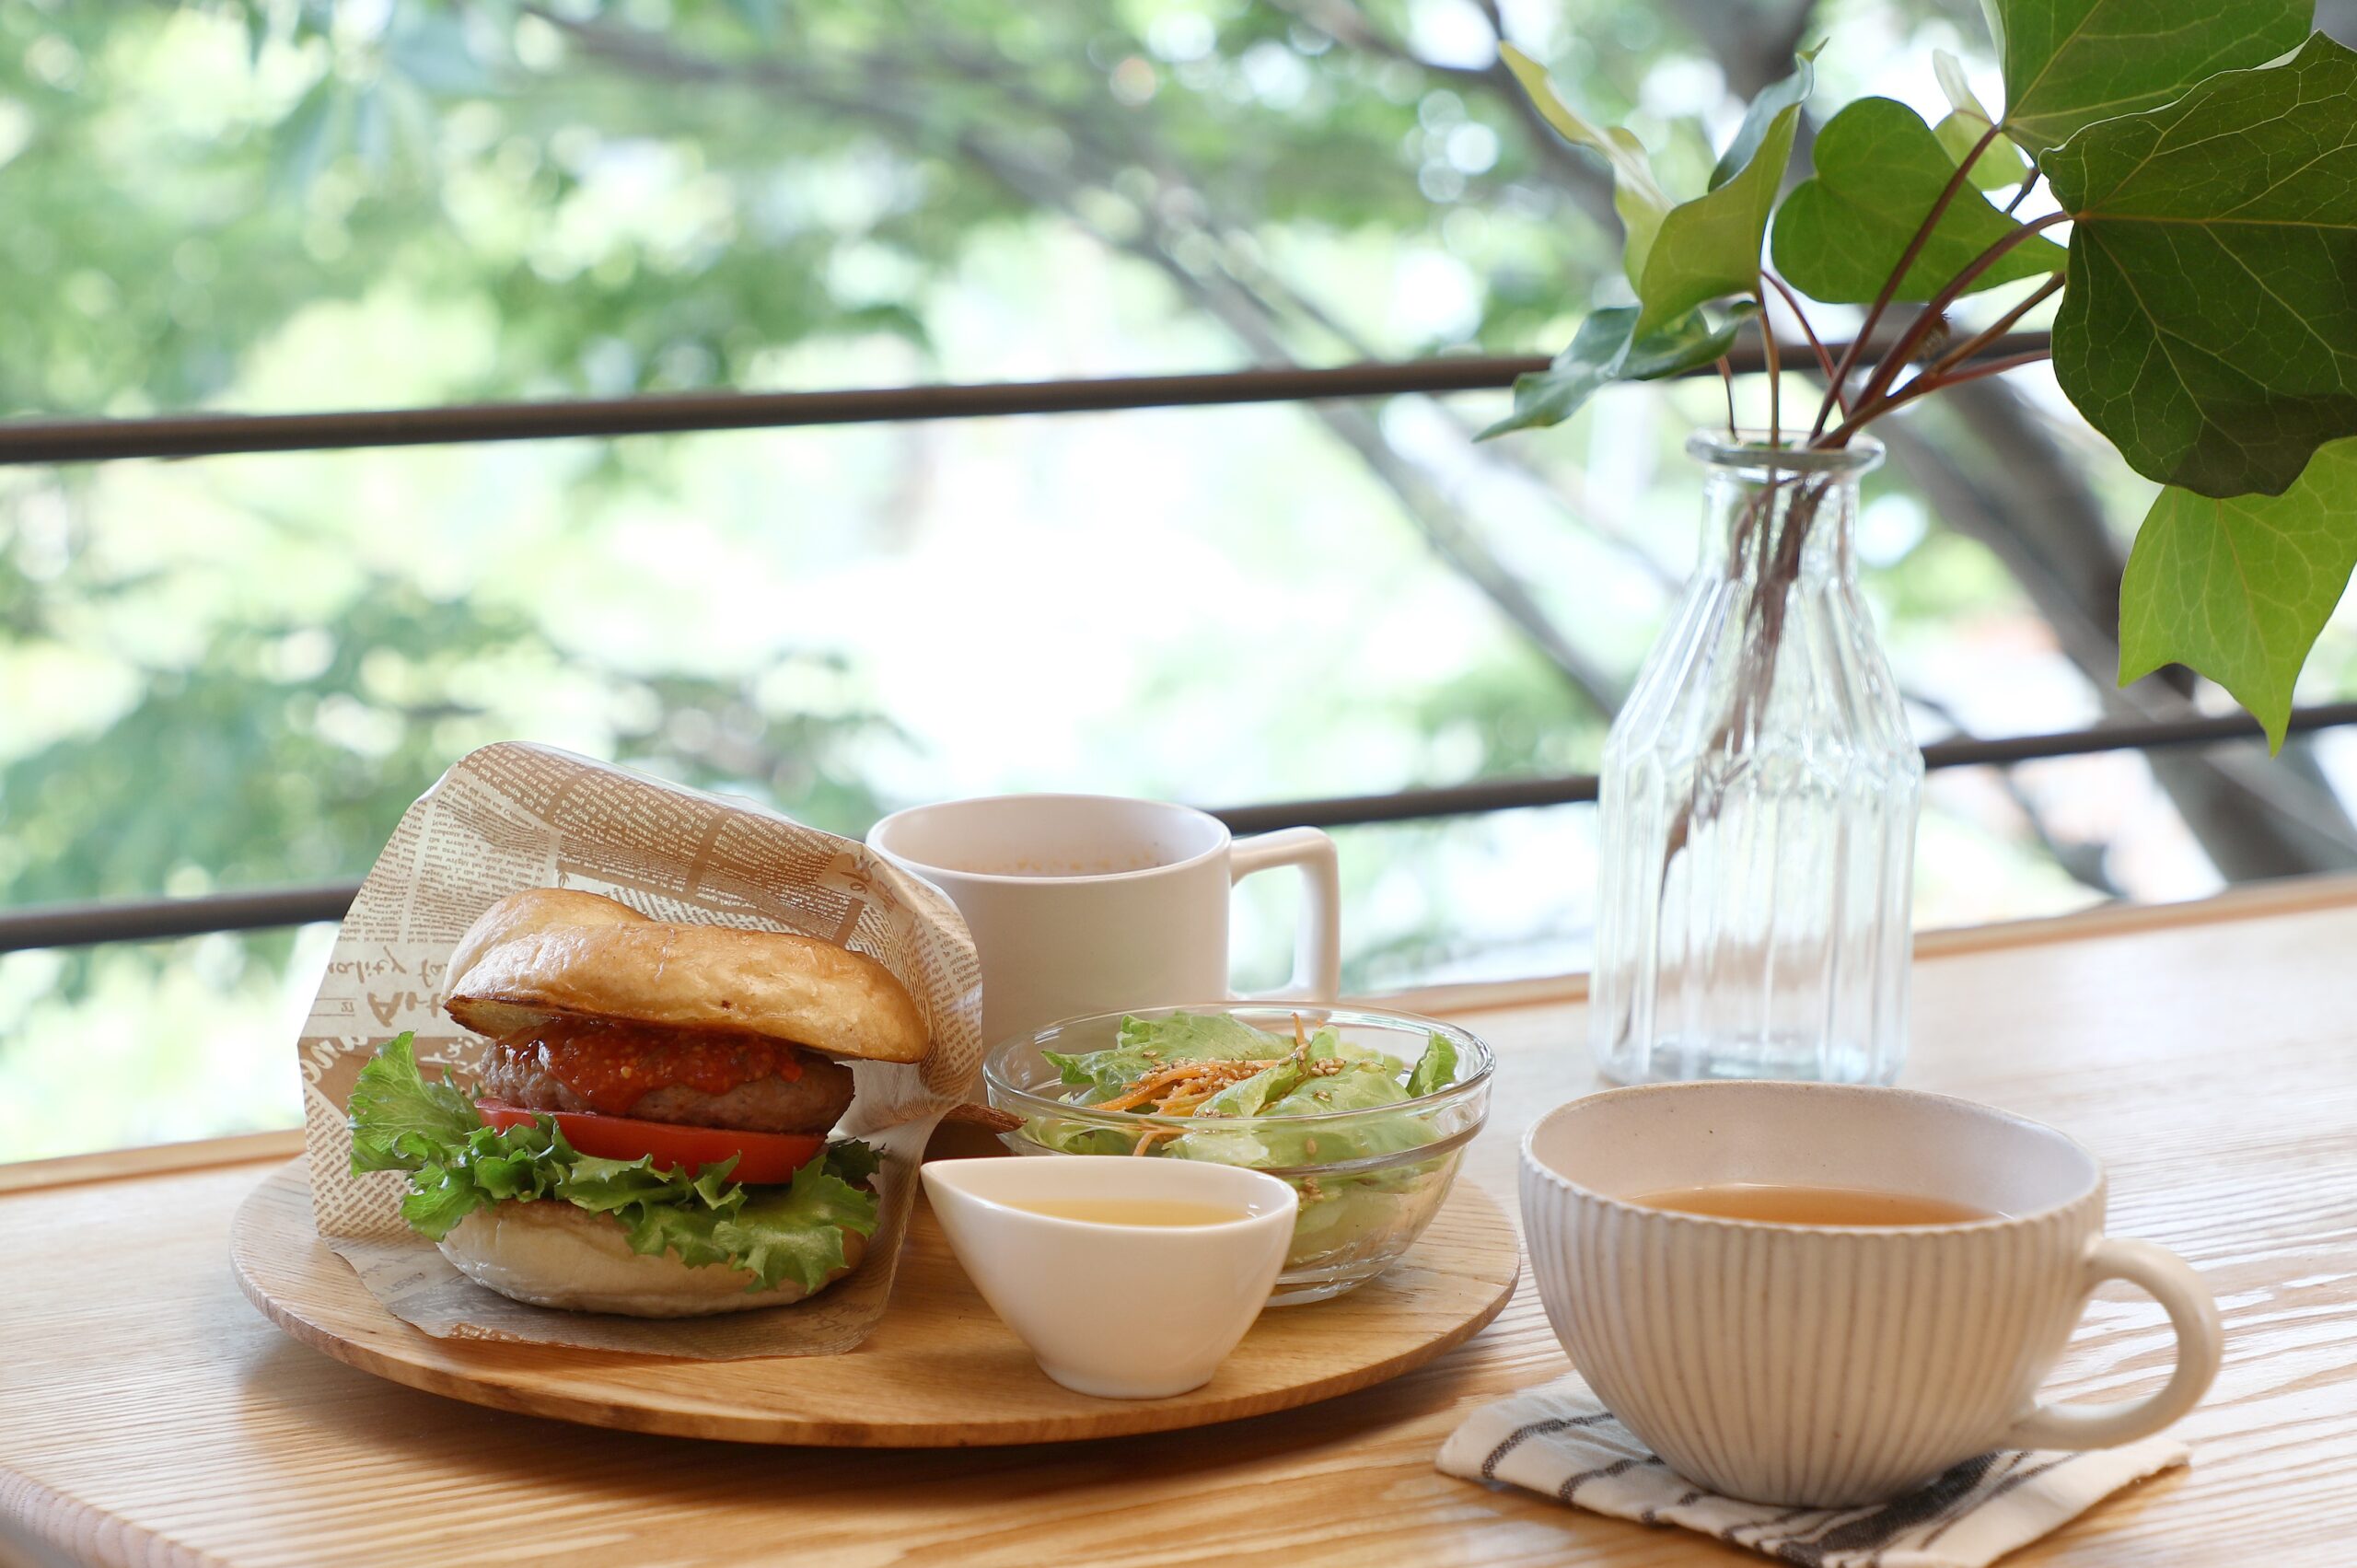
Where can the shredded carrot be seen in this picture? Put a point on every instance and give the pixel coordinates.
(1145, 1088)
(1179, 1087)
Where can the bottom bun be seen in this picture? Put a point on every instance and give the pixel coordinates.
(552, 1254)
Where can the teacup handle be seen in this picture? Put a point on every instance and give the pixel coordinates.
(1317, 941)
(2192, 1312)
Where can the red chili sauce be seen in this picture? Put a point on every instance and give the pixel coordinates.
(611, 1065)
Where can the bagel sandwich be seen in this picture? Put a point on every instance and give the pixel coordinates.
(649, 1132)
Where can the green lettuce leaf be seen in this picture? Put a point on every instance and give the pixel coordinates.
(438, 1199)
(1103, 1074)
(1340, 1210)
(1255, 1094)
(1334, 1207)
(456, 1165)
(779, 1233)
(1360, 1085)
(795, 1233)
(1144, 1045)
(852, 1162)
(1200, 1037)
(1078, 1137)
(607, 1187)
(399, 1120)
(1435, 1070)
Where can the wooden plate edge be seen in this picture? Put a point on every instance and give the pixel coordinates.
(1121, 1419)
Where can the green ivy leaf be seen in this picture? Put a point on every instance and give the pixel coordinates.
(1688, 343)
(2071, 63)
(2239, 589)
(1605, 350)
(1636, 196)
(1709, 248)
(2210, 324)
(1760, 118)
(2001, 165)
(1879, 169)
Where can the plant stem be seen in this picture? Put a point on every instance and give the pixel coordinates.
(1930, 383)
(1956, 182)
(1824, 360)
(1775, 388)
(1774, 555)
(1726, 379)
(2022, 195)
(1888, 371)
(1995, 330)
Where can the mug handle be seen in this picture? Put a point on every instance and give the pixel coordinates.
(2193, 1314)
(1317, 941)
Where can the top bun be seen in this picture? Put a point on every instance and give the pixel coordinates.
(549, 952)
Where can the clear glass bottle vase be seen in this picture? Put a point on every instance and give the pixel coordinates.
(1760, 794)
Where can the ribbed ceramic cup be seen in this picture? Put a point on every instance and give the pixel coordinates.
(1802, 1365)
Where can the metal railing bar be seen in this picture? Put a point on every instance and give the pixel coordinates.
(1568, 789)
(1575, 788)
(159, 920)
(215, 434)
(151, 920)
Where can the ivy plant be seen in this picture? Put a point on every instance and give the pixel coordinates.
(2200, 233)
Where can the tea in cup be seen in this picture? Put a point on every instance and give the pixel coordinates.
(1822, 1295)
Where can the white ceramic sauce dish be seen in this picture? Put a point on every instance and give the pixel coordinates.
(1119, 1311)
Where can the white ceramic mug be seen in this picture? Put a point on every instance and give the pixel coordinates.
(1090, 903)
(1825, 1366)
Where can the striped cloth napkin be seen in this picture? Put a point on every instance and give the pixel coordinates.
(1560, 1442)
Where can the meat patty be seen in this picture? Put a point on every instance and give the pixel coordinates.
(532, 1071)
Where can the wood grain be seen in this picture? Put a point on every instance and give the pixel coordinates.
(148, 1414)
(940, 1372)
(155, 1159)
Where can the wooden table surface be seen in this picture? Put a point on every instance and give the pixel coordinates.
(2208, 1053)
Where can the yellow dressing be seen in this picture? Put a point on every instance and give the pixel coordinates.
(1131, 1210)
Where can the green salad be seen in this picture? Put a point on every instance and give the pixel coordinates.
(1218, 1080)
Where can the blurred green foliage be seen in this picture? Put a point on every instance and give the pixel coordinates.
(236, 673)
(643, 198)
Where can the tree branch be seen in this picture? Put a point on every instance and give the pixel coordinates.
(1225, 299)
(1585, 182)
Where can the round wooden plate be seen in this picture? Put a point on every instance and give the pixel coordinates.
(940, 1371)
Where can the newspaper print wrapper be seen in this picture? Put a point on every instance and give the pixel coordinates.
(514, 816)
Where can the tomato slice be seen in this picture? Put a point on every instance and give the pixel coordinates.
(762, 1157)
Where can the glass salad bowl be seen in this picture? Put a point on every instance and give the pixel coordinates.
(1365, 1114)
